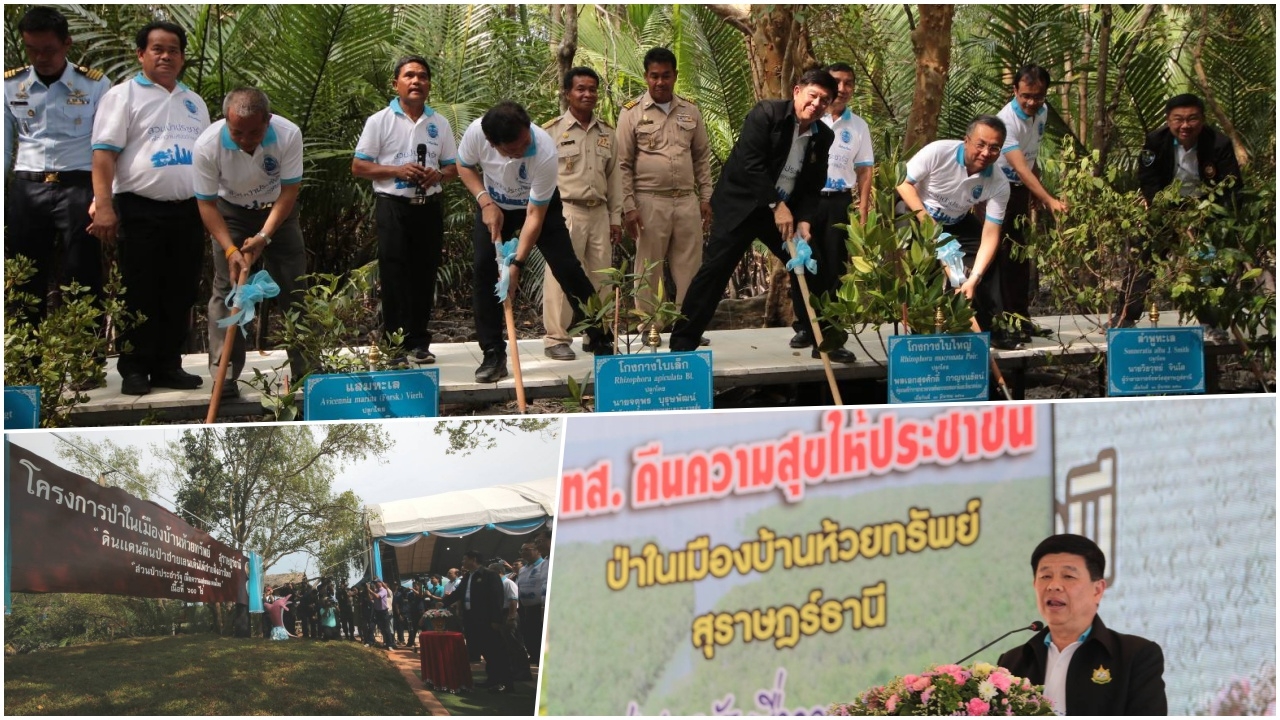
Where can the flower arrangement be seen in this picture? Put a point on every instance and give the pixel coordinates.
(981, 689)
(440, 613)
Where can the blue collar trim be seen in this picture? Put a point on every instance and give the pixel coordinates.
(1083, 636)
(270, 138)
(395, 108)
(142, 79)
(847, 114)
(533, 143)
(1017, 110)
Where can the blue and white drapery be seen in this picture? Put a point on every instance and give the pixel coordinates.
(255, 583)
(513, 527)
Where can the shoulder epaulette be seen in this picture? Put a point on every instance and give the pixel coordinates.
(10, 73)
(631, 104)
(548, 124)
(90, 73)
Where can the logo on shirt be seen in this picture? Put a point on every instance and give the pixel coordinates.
(1101, 676)
(977, 192)
(271, 165)
(523, 173)
(191, 106)
(432, 131)
(177, 155)
(845, 136)
(1147, 158)
(1040, 129)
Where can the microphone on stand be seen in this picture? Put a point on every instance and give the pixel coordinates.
(420, 194)
(1036, 626)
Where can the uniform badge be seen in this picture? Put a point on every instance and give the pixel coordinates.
(684, 118)
(603, 142)
(1147, 158)
(1101, 676)
(1210, 171)
(77, 97)
(22, 91)
(191, 106)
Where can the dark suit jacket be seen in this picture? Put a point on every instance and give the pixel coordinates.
(747, 181)
(1214, 153)
(1136, 666)
(486, 597)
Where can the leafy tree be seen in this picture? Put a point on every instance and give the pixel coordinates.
(468, 436)
(270, 489)
(110, 464)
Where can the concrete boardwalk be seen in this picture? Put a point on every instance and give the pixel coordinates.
(741, 357)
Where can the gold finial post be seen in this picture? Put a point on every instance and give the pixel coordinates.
(939, 320)
(1154, 315)
(375, 356)
(654, 338)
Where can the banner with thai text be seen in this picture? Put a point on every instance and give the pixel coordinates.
(69, 534)
(774, 562)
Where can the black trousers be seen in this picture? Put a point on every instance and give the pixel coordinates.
(497, 662)
(986, 296)
(557, 250)
(830, 249)
(1015, 274)
(410, 242)
(160, 247)
(48, 221)
(730, 239)
(531, 629)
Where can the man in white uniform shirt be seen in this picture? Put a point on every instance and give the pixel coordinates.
(945, 181)
(510, 167)
(144, 138)
(407, 150)
(248, 173)
(532, 582)
(1024, 117)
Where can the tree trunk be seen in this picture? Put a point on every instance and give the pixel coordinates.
(1202, 79)
(931, 40)
(567, 17)
(1082, 77)
(1098, 141)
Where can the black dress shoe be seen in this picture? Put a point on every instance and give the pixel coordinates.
(230, 389)
(603, 347)
(177, 379)
(422, 356)
(840, 355)
(560, 352)
(494, 367)
(802, 339)
(704, 341)
(1004, 341)
(135, 384)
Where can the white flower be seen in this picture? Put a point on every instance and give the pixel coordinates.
(986, 690)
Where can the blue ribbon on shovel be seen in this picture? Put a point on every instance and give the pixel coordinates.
(803, 258)
(506, 254)
(246, 298)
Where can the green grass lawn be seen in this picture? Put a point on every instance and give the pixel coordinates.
(519, 701)
(207, 675)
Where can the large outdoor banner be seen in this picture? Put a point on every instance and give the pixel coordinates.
(774, 562)
(1181, 496)
(69, 534)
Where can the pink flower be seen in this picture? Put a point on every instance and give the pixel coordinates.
(891, 703)
(924, 696)
(978, 706)
(1001, 679)
(918, 683)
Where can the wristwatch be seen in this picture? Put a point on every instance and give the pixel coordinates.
(518, 263)
(265, 237)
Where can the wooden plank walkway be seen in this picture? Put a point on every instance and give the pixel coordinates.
(742, 358)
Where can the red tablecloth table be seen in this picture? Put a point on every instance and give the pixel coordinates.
(445, 665)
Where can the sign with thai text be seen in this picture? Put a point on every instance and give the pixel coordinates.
(1155, 361)
(939, 368)
(373, 395)
(22, 407)
(68, 534)
(654, 381)
(735, 555)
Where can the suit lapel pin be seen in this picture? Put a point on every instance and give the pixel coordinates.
(1210, 171)
(1101, 676)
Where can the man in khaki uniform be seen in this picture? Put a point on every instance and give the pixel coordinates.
(591, 191)
(665, 162)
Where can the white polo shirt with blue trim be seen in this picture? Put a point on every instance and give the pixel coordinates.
(513, 183)
(850, 151)
(1023, 133)
(947, 189)
(225, 171)
(155, 132)
(391, 138)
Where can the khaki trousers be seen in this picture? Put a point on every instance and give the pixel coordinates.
(589, 234)
(672, 233)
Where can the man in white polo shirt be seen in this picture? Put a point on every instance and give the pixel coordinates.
(407, 150)
(510, 166)
(532, 582)
(1024, 117)
(144, 194)
(945, 180)
(248, 173)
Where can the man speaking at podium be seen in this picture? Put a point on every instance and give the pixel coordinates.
(1086, 668)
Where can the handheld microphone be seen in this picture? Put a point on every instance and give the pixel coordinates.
(420, 195)
(1036, 626)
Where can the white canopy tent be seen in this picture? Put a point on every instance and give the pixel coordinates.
(429, 534)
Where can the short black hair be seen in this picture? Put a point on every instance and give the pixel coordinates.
(1080, 545)
(1184, 100)
(1031, 72)
(503, 124)
(821, 78)
(44, 19)
(661, 56)
(409, 60)
(990, 121)
(576, 72)
(474, 555)
(840, 67)
(144, 35)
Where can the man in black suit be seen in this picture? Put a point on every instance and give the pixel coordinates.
(768, 190)
(1085, 667)
(481, 594)
(1187, 150)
